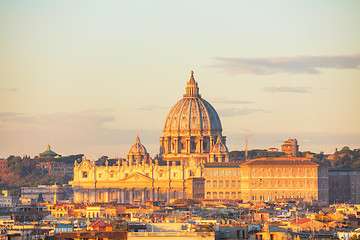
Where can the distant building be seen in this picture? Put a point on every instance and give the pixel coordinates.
(49, 193)
(290, 147)
(344, 185)
(273, 150)
(230, 231)
(7, 200)
(49, 162)
(273, 232)
(25, 213)
(56, 167)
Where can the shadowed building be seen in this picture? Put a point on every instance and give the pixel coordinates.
(49, 162)
(344, 185)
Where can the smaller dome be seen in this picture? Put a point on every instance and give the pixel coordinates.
(219, 147)
(48, 153)
(137, 148)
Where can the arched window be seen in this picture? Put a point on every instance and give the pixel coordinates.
(239, 195)
(208, 195)
(233, 183)
(239, 184)
(221, 195)
(233, 195)
(227, 195)
(215, 195)
(221, 184)
(215, 184)
(227, 183)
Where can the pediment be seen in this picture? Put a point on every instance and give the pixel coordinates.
(136, 177)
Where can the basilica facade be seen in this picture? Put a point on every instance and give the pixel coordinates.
(193, 162)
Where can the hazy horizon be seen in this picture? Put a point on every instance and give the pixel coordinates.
(88, 77)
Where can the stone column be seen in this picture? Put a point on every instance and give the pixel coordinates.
(107, 195)
(143, 196)
(175, 145)
(166, 146)
(152, 194)
(122, 195)
(211, 142)
(92, 196)
(168, 195)
(157, 194)
(131, 196)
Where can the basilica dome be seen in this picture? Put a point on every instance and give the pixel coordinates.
(192, 115)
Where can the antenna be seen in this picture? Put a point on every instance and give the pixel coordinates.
(246, 148)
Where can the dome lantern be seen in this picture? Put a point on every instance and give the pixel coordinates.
(192, 89)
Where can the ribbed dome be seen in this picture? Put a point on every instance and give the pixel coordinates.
(192, 115)
(219, 147)
(137, 148)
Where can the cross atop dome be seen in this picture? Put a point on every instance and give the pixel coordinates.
(137, 140)
(192, 89)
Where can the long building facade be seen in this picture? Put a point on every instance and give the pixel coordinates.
(193, 162)
(268, 179)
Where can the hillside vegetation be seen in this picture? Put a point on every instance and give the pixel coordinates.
(22, 172)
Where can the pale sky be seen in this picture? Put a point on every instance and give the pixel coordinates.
(88, 76)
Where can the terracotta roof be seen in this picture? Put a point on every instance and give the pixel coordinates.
(223, 164)
(302, 221)
(280, 161)
(90, 235)
(99, 223)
